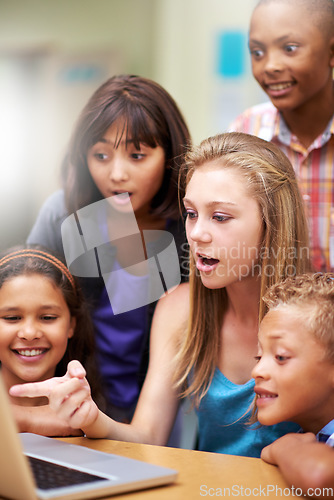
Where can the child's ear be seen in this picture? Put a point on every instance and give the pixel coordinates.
(73, 324)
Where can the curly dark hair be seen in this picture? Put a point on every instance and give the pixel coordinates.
(313, 293)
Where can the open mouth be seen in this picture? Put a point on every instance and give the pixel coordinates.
(281, 89)
(121, 193)
(208, 261)
(30, 353)
(263, 396)
(121, 197)
(280, 86)
(205, 263)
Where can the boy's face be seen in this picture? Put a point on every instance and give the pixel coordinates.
(291, 58)
(293, 380)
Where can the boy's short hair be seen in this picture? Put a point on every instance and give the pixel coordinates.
(322, 12)
(311, 292)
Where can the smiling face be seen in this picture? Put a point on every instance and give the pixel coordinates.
(35, 325)
(291, 57)
(125, 169)
(223, 226)
(293, 379)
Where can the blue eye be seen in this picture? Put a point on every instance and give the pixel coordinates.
(220, 217)
(190, 214)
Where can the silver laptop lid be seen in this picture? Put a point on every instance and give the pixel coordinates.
(16, 479)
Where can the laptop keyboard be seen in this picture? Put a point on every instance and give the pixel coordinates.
(49, 475)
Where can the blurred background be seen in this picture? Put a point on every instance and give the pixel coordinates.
(54, 54)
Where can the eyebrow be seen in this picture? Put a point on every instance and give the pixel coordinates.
(18, 308)
(213, 203)
(277, 40)
(274, 337)
(123, 141)
(8, 309)
(51, 306)
(256, 42)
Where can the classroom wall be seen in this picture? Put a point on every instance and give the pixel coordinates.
(54, 54)
(187, 59)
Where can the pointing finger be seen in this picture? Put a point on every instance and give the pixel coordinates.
(75, 369)
(36, 389)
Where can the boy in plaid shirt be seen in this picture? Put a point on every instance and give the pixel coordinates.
(292, 52)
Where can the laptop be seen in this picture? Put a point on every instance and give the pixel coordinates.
(69, 471)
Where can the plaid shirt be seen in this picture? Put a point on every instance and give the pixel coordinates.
(314, 167)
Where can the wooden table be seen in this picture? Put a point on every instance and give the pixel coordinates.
(201, 474)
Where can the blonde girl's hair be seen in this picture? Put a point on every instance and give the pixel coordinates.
(269, 178)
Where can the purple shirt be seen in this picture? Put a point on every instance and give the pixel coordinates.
(120, 340)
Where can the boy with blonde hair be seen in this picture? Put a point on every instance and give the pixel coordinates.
(294, 378)
(291, 43)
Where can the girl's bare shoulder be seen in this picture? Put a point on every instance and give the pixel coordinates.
(178, 299)
(173, 308)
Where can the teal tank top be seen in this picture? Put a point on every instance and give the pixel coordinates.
(223, 417)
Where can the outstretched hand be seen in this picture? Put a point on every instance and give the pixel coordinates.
(69, 396)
